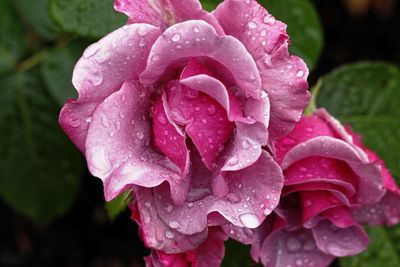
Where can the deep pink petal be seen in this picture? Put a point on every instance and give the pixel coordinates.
(204, 119)
(118, 147)
(340, 242)
(370, 187)
(253, 194)
(155, 233)
(164, 13)
(316, 202)
(283, 248)
(251, 127)
(284, 77)
(104, 66)
(211, 252)
(168, 137)
(198, 39)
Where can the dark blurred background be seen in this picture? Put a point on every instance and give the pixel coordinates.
(354, 30)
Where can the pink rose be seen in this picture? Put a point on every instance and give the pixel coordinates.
(332, 185)
(178, 106)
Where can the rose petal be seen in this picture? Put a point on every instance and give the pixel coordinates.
(386, 211)
(203, 41)
(104, 66)
(283, 248)
(340, 242)
(370, 187)
(211, 252)
(163, 13)
(251, 134)
(117, 146)
(168, 138)
(284, 77)
(253, 194)
(205, 121)
(158, 235)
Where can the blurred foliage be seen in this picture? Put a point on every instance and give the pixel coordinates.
(40, 42)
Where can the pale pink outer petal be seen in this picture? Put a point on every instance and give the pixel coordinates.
(284, 77)
(104, 66)
(155, 233)
(164, 13)
(340, 242)
(118, 147)
(296, 248)
(196, 38)
(370, 187)
(253, 194)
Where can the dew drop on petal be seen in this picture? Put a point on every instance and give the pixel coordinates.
(293, 245)
(300, 73)
(176, 37)
(249, 220)
(169, 234)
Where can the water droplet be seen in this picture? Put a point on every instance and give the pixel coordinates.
(105, 121)
(269, 19)
(309, 246)
(140, 135)
(293, 244)
(249, 220)
(263, 33)
(245, 144)
(300, 73)
(233, 161)
(204, 121)
(169, 208)
(178, 46)
(142, 43)
(211, 109)
(95, 78)
(155, 58)
(162, 119)
(74, 122)
(147, 204)
(252, 25)
(307, 203)
(169, 234)
(190, 205)
(174, 224)
(233, 198)
(196, 29)
(299, 262)
(176, 37)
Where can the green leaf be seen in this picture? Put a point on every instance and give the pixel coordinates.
(237, 255)
(12, 39)
(118, 205)
(367, 96)
(210, 5)
(89, 18)
(39, 168)
(304, 27)
(35, 14)
(384, 250)
(56, 71)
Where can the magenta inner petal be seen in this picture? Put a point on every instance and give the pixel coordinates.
(205, 121)
(167, 137)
